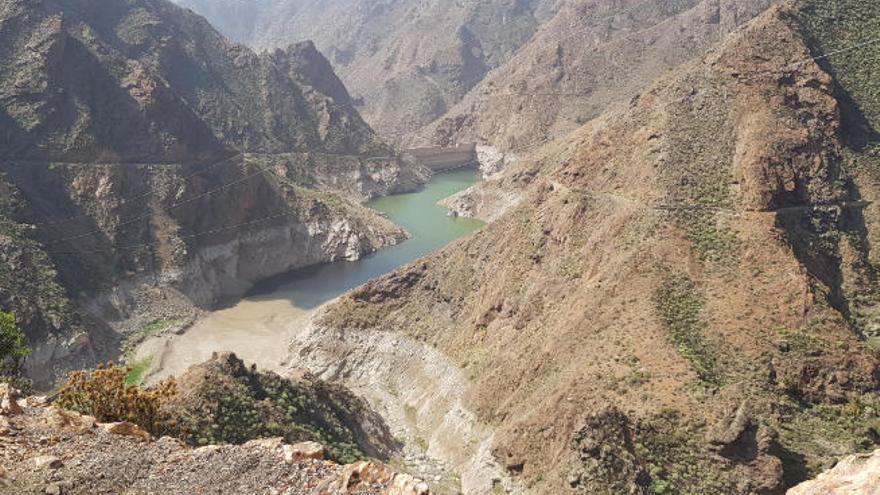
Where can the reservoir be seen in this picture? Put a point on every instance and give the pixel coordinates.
(259, 327)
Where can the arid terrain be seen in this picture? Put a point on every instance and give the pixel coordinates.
(686, 282)
(676, 289)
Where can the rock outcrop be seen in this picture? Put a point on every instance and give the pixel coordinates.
(51, 457)
(222, 400)
(853, 475)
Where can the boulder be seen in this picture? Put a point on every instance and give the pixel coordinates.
(854, 475)
(730, 429)
(404, 484)
(47, 461)
(70, 421)
(266, 443)
(365, 473)
(126, 429)
(302, 451)
(9, 400)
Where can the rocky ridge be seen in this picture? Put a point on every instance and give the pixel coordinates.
(406, 62)
(587, 57)
(501, 73)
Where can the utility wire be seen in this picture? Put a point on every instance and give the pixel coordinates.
(794, 65)
(189, 236)
(202, 170)
(150, 215)
(137, 197)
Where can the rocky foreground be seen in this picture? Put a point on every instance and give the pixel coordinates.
(48, 450)
(854, 475)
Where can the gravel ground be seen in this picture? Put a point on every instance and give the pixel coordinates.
(39, 457)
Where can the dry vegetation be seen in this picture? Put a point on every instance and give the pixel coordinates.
(708, 231)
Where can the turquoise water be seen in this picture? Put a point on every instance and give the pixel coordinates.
(418, 213)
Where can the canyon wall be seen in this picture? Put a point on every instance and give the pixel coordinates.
(154, 169)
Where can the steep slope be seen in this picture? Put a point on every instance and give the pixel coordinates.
(682, 302)
(502, 72)
(407, 62)
(159, 168)
(590, 55)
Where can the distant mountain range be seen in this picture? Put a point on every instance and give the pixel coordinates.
(499, 72)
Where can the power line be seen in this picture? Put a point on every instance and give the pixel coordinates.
(198, 234)
(150, 215)
(528, 147)
(137, 197)
(152, 191)
(189, 236)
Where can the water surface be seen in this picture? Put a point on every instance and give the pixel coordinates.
(259, 327)
(427, 222)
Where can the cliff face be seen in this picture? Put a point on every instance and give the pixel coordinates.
(159, 168)
(683, 301)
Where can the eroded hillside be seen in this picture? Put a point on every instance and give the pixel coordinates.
(682, 302)
(406, 62)
(589, 56)
(151, 168)
(503, 73)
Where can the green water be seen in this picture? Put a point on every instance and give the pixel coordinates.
(428, 224)
(258, 328)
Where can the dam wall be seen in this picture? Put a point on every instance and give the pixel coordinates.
(446, 159)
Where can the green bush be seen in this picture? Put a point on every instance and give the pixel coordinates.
(246, 405)
(13, 346)
(680, 307)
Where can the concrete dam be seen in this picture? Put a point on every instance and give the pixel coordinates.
(446, 159)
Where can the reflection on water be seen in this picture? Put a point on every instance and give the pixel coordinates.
(258, 327)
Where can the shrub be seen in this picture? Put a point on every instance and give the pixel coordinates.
(234, 404)
(13, 352)
(104, 394)
(13, 347)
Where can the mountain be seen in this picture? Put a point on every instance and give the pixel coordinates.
(588, 56)
(684, 300)
(500, 72)
(152, 168)
(407, 62)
